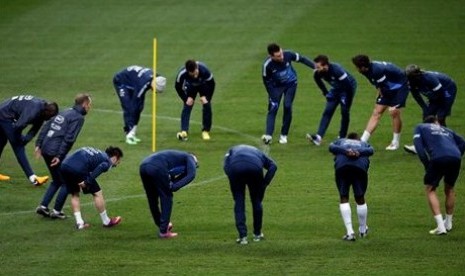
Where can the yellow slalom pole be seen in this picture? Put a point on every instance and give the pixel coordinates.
(154, 97)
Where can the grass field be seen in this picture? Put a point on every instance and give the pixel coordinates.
(55, 49)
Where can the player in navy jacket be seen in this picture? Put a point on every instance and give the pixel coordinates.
(80, 171)
(440, 150)
(163, 173)
(244, 165)
(53, 143)
(191, 79)
(280, 79)
(351, 163)
(342, 92)
(131, 85)
(391, 84)
(15, 115)
(438, 88)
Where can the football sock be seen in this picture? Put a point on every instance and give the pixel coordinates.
(365, 136)
(448, 221)
(440, 223)
(78, 217)
(362, 212)
(346, 215)
(104, 217)
(396, 137)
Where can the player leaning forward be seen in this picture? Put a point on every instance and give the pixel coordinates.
(131, 84)
(440, 150)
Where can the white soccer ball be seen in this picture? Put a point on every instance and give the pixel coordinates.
(160, 84)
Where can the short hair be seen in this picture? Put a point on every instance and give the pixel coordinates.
(324, 60)
(431, 119)
(412, 70)
(50, 110)
(353, 136)
(191, 65)
(273, 48)
(82, 98)
(361, 61)
(114, 151)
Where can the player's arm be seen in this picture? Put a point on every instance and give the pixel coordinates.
(420, 148)
(179, 86)
(418, 98)
(191, 168)
(365, 150)
(271, 169)
(335, 148)
(32, 131)
(303, 59)
(460, 141)
(101, 168)
(72, 131)
(319, 82)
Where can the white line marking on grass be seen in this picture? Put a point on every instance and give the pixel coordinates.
(121, 198)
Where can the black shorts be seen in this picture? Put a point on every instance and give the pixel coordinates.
(72, 178)
(447, 167)
(351, 176)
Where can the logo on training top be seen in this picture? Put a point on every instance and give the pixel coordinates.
(59, 119)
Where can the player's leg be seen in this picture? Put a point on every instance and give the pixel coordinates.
(237, 187)
(42, 209)
(19, 150)
(99, 202)
(187, 109)
(206, 94)
(166, 204)
(345, 101)
(328, 112)
(452, 170)
(360, 184)
(257, 192)
(274, 99)
(289, 95)
(373, 121)
(431, 180)
(148, 181)
(343, 187)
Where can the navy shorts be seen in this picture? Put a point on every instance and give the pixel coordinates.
(396, 98)
(72, 178)
(447, 167)
(351, 176)
(441, 108)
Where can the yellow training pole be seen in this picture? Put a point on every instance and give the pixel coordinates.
(154, 97)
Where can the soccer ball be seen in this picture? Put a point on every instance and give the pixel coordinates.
(160, 84)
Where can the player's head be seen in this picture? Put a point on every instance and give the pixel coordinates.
(115, 155)
(321, 63)
(275, 52)
(50, 110)
(362, 62)
(353, 136)
(192, 68)
(84, 100)
(431, 119)
(413, 71)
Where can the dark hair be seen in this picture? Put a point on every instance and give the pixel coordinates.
(361, 61)
(114, 151)
(430, 119)
(324, 60)
(191, 65)
(273, 48)
(82, 98)
(50, 110)
(353, 136)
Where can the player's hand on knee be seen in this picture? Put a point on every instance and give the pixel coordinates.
(190, 101)
(203, 100)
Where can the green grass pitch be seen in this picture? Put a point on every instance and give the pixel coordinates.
(55, 49)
